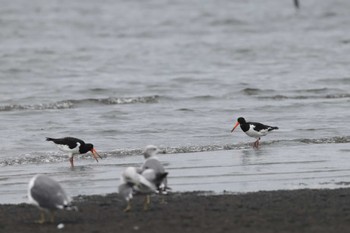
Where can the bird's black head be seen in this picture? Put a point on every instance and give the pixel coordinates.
(89, 147)
(241, 120)
(86, 148)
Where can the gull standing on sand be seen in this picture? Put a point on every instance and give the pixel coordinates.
(74, 146)
(152, 162)
(253, 129)
(144, 180)
(133, 181)
(48, 195)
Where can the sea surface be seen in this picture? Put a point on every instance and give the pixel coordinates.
(123, 74)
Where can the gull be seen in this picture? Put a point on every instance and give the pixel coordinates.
(133, 180)
(48, 195)
(152, 162)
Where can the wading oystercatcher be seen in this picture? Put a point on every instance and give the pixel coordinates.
(253, 129)
(74, 146)
(48, 195)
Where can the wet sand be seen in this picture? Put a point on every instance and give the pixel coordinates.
(272, 211)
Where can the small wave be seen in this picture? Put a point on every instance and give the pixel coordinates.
(226, 22)
(301, 97)
(317, 93)
(123, 100)
(41, 157)
(251, 91)
(58, 105)
(66, 104)
(34, 158)
(185, 110)
(314, 90)
(255, 91)
(343, 139)
(337, 96)
(204, 97)
(343, 80)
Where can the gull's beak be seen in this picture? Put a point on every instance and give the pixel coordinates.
(95, 154)
(237, 124)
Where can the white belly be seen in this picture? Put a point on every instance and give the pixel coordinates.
(65, 148)
(256, 134)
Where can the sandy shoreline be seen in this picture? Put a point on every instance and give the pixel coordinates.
(271, 211)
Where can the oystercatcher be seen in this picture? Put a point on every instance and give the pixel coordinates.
(48, 195)
(253, 129)
(74, 146)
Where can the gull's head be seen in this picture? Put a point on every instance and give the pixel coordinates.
(149, 151)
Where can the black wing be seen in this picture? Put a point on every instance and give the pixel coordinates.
(69, 141)
(258, 126)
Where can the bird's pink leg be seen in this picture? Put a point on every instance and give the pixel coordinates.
(256, 143)
(71, 162)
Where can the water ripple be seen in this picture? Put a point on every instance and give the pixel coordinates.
(40, 157)
(66, 104)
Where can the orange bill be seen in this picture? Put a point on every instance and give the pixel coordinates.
(237, 124)
(95, 154)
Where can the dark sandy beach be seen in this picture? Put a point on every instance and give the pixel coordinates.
(273, 211)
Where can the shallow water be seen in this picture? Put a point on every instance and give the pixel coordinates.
(281, 165)
(125, 74)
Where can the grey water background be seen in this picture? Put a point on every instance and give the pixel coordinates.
(176, 74)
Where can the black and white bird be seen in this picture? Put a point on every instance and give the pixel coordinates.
(253, 129)
(74, 146)
(48, 195)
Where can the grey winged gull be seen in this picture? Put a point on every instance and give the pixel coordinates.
(48, 195)
(144, 180)
(152, 162)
